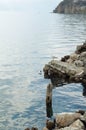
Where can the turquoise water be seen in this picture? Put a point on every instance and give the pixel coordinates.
(28, 40)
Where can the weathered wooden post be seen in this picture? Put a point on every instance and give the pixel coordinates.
(49, 110)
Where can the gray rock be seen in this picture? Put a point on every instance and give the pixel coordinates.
(81, 48)
(50, 125)
(34, 128)
(74, 56)
(82, 56)
(69, 128)
(79, 63)
(71, 7)
(27, 129)
(77, 124)
(45, 128)
(83, 118)
(64, 120)
(85, 70)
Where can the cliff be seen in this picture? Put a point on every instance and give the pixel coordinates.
(71, 7)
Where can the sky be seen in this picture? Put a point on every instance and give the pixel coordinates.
(24, 4)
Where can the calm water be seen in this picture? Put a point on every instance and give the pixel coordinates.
(28, 40)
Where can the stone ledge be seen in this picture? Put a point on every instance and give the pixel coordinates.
(70, 68)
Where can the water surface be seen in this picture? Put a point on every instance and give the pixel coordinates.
(28, 40)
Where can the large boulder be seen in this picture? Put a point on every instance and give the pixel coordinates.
(64, 120)
(77, 124)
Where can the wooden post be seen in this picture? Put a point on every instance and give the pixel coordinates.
(84, 88)
(49, 110)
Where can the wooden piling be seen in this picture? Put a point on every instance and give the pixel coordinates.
(49, 110)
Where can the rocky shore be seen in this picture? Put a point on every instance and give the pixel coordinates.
(70, 69)
(68, 121)
(71, 7)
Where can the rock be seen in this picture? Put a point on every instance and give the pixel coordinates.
(64, 120)
(74, 57)
(84, 63)
(85, 71)
(62, 70)
(69, 128)
(82, 56)
(50, 125)
(65, 58)
(81, 48)
(34, 128)
(83, 118)
(71, 7)
(45, 128)
(70, 69)
(79, 63)
(27, 129)
(77, 124)
(82, 112)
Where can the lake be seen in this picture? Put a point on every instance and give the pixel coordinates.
(28, 40)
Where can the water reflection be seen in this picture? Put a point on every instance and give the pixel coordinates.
(27, 43)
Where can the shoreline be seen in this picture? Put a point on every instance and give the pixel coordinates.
(69, 69)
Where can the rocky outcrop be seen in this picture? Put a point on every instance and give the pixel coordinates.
(70, 69)
(71, 7)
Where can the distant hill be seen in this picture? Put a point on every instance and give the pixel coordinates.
(71, 7)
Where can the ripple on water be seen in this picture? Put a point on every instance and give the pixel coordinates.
(27, 43)
(68, 98)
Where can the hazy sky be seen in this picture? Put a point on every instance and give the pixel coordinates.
(25, 4)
